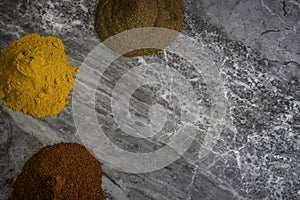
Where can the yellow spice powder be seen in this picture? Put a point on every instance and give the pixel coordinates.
(35, 76)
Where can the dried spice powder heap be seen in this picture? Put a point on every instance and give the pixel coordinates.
(35, 76)
(64, 171)
(113, 17)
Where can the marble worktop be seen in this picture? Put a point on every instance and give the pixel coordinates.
(230, 98)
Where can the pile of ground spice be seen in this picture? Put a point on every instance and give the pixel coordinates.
(64, 171)
(35, 76)
(113, 17)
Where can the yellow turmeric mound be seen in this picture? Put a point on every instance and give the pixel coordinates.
(35, 76)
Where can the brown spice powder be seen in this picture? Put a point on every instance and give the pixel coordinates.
(60, 172)
(116, 16)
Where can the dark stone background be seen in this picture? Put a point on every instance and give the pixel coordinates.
(256, 46)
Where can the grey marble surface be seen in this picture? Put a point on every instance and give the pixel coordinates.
(254, 45)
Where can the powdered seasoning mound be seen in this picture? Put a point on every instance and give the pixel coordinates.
(35, 76)
(113, 17)
(64, 171)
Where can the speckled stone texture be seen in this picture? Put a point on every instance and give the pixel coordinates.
(255, 46)
(271, 27)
